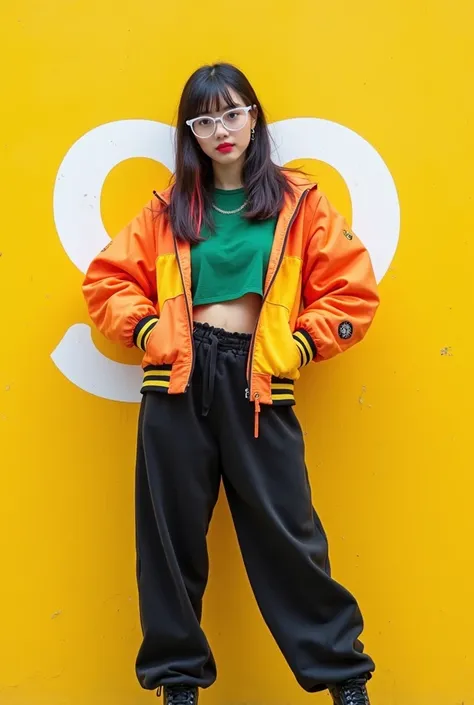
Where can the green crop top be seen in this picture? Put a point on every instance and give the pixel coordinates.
(234, 260)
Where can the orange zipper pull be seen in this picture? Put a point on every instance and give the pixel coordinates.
(257, 411)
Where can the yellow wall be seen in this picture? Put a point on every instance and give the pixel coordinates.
(388, 425)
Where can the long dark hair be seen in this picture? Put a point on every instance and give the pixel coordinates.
(191, 196)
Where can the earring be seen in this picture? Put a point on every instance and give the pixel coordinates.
(252, 134)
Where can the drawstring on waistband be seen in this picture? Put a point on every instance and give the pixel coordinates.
(217, 339)
(209, 373)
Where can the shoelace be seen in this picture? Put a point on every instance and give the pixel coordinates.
(354, 692)
(180, 695)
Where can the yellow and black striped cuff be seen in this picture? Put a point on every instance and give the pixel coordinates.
(283, 391)
(306, 346)
(142, 331)
(156, 378)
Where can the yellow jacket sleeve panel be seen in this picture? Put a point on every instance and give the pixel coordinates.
(120, 284)
(339, 290)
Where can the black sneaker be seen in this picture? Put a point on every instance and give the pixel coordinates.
(352, 692)
(179, 695)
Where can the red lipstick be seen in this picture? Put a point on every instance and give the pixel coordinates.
(225, 147)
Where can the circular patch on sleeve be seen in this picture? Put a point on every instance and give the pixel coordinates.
(345, 330)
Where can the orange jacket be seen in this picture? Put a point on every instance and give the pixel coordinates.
(320, 296)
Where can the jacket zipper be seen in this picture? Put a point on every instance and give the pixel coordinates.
(256, 395)
(188, 312)
(277, 268)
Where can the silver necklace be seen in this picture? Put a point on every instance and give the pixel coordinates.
(237, 210)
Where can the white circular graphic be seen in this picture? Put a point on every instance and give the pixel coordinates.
(76, 203)
(375, 206)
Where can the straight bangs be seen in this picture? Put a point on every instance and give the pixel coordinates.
(211, 96)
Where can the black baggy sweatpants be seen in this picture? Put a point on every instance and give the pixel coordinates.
(186, 443)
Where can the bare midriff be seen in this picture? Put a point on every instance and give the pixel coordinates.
(237, 316)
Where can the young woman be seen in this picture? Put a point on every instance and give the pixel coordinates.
(230, 281)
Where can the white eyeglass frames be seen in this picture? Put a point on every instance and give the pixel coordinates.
(233, 120)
